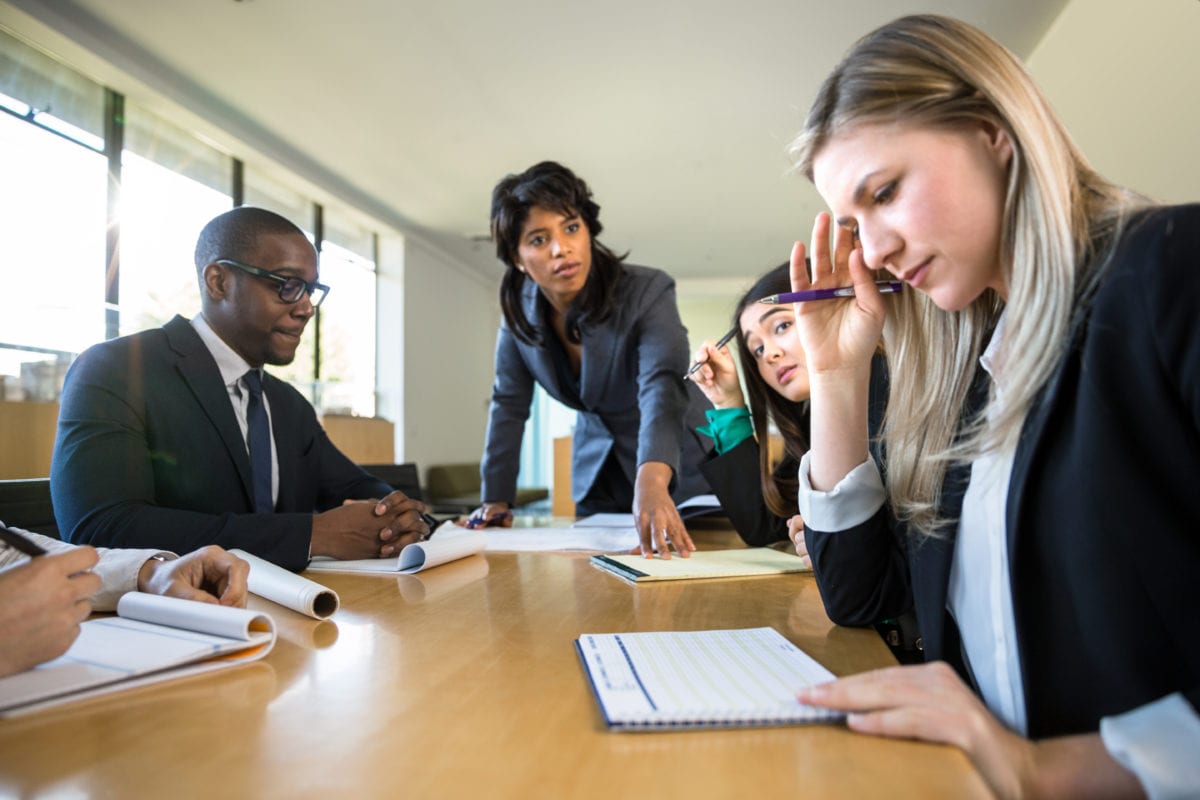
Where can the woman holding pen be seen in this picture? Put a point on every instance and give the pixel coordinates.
(1032, 489)
(602, 337)
(777, 392)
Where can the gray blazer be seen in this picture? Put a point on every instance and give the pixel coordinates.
(632, 398)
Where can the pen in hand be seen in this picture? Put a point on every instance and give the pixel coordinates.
(19, 542)
(808, 295)
(480, 522)
(724, 340)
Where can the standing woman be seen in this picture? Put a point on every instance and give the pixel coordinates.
(602, 337)
(1033, 495)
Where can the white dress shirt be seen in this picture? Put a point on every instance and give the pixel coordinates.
(233, 369)
(1157, 741)
(118, 567)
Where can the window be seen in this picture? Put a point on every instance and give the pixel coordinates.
(171, 185)
(348, 320)
(70, 232)
(53, 210)
(264, 191)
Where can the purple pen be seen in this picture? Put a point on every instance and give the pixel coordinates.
(479, 522)
(885, 287)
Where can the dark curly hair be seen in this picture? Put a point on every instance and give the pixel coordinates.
(551, 186)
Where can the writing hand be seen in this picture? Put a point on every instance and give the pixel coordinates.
(208, 575)
(654, 513)
(490, 515)
(41, 606)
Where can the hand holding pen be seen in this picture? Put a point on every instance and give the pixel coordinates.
(490, 515)
(701, 359)
(832, 293)
(716, 374)
(838, 337)
(43, 602)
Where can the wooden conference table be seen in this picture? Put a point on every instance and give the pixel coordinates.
(463, 681)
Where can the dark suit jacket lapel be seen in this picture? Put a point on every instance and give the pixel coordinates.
(199, 372)
(1031, 436)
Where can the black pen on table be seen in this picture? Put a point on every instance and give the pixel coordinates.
(19, 542)
(724, 340)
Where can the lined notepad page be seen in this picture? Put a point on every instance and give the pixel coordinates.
(719, 678)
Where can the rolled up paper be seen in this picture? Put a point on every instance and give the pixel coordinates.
(443, 549)
(449, 543)
(288, 589)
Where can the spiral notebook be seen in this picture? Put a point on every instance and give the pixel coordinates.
(700, 679)
(740, 563)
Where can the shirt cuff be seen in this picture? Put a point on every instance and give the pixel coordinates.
(852, 502)
(118, 569)
(1158, 743)
(727, 427)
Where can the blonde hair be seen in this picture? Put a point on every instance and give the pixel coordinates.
(1059, 216)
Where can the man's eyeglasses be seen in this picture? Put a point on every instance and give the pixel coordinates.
(291, 289)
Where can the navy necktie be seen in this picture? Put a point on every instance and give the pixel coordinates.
(259, 441)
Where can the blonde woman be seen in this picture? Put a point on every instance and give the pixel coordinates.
(1032, 490)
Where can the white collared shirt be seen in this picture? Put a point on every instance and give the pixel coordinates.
(233, 368)
(1156, 741)
(979, 596)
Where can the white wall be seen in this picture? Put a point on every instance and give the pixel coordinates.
(450, 317)
(1125, 78)
(389, 369)
(706, 305)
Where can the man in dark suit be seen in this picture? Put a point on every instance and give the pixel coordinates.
(176, 438)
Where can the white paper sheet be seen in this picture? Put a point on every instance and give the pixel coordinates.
(595, 540)
(416, 557)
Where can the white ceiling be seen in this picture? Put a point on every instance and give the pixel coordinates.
(677, 113)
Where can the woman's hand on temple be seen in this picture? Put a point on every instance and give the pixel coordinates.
(836, 334)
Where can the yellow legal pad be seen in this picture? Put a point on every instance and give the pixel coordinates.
(702, 564)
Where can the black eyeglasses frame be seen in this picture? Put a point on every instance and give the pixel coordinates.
(288, 285)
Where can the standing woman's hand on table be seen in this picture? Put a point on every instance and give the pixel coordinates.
(490, 515)
(654, 513)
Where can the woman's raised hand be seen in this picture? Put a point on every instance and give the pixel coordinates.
(836, 334)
